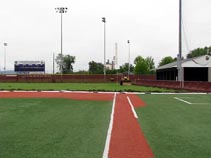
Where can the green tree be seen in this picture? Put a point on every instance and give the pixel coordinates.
(137, 59)
(199, 52)
(166, 60)
(124, 68)
(141, 67)
(95, 68)
(150, 64)
(81, 72)
(68, 64)
(144, 66)
(111, 71)
(65, 63)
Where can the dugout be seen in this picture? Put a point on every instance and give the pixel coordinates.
(194, 69)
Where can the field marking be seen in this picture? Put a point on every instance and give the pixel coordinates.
(108, 138)
(49, 91)
(178, 93)
(181, 97)
(182, 100)
(132, 107)
(202, 103)
(22, 91)
(66, 91)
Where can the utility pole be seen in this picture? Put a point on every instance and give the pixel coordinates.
(116, 61)
(5, 45)
(104, 21)
(128, 58)
(53, 63)
(116, 55)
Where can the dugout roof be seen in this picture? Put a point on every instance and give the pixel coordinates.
(200, 62)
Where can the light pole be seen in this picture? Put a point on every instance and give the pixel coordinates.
(53, 62)
(180, 69)
(128, 58)
(61, 10)
(104, 21)
(5, 45)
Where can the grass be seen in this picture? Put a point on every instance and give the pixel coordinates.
(53, 128)
(175, 129)
(80, 87)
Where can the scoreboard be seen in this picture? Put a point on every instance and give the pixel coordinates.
(29, 66)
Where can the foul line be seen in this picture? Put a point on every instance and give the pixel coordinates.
(202, 103)
(182, 100)
(132, 107)
(108, 138)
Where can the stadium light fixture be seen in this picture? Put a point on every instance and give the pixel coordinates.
(61, 10)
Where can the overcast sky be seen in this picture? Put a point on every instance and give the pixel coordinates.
(32, 29)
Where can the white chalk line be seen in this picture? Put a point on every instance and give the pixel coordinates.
(132, 108)
(182, 100)
(108, 138)
(190, 102)
(66, 91)
(202, 103)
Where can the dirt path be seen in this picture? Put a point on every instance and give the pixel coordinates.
(127, 139)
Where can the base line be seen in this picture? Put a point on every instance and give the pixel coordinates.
(182, 100)
(202, 103)
(132, 107)
(108, 138)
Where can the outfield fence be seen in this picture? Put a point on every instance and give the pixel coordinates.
(187, 85)
(142, 80)
(45, 78)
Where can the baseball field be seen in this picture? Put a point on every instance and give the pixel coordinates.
(79, 124)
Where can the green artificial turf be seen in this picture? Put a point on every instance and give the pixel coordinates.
(175, 129)
(80, 87)
(53, 128)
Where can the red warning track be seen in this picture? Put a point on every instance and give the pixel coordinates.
(127, 139)
(68, 95)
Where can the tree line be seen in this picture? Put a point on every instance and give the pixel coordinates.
(141, 65)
